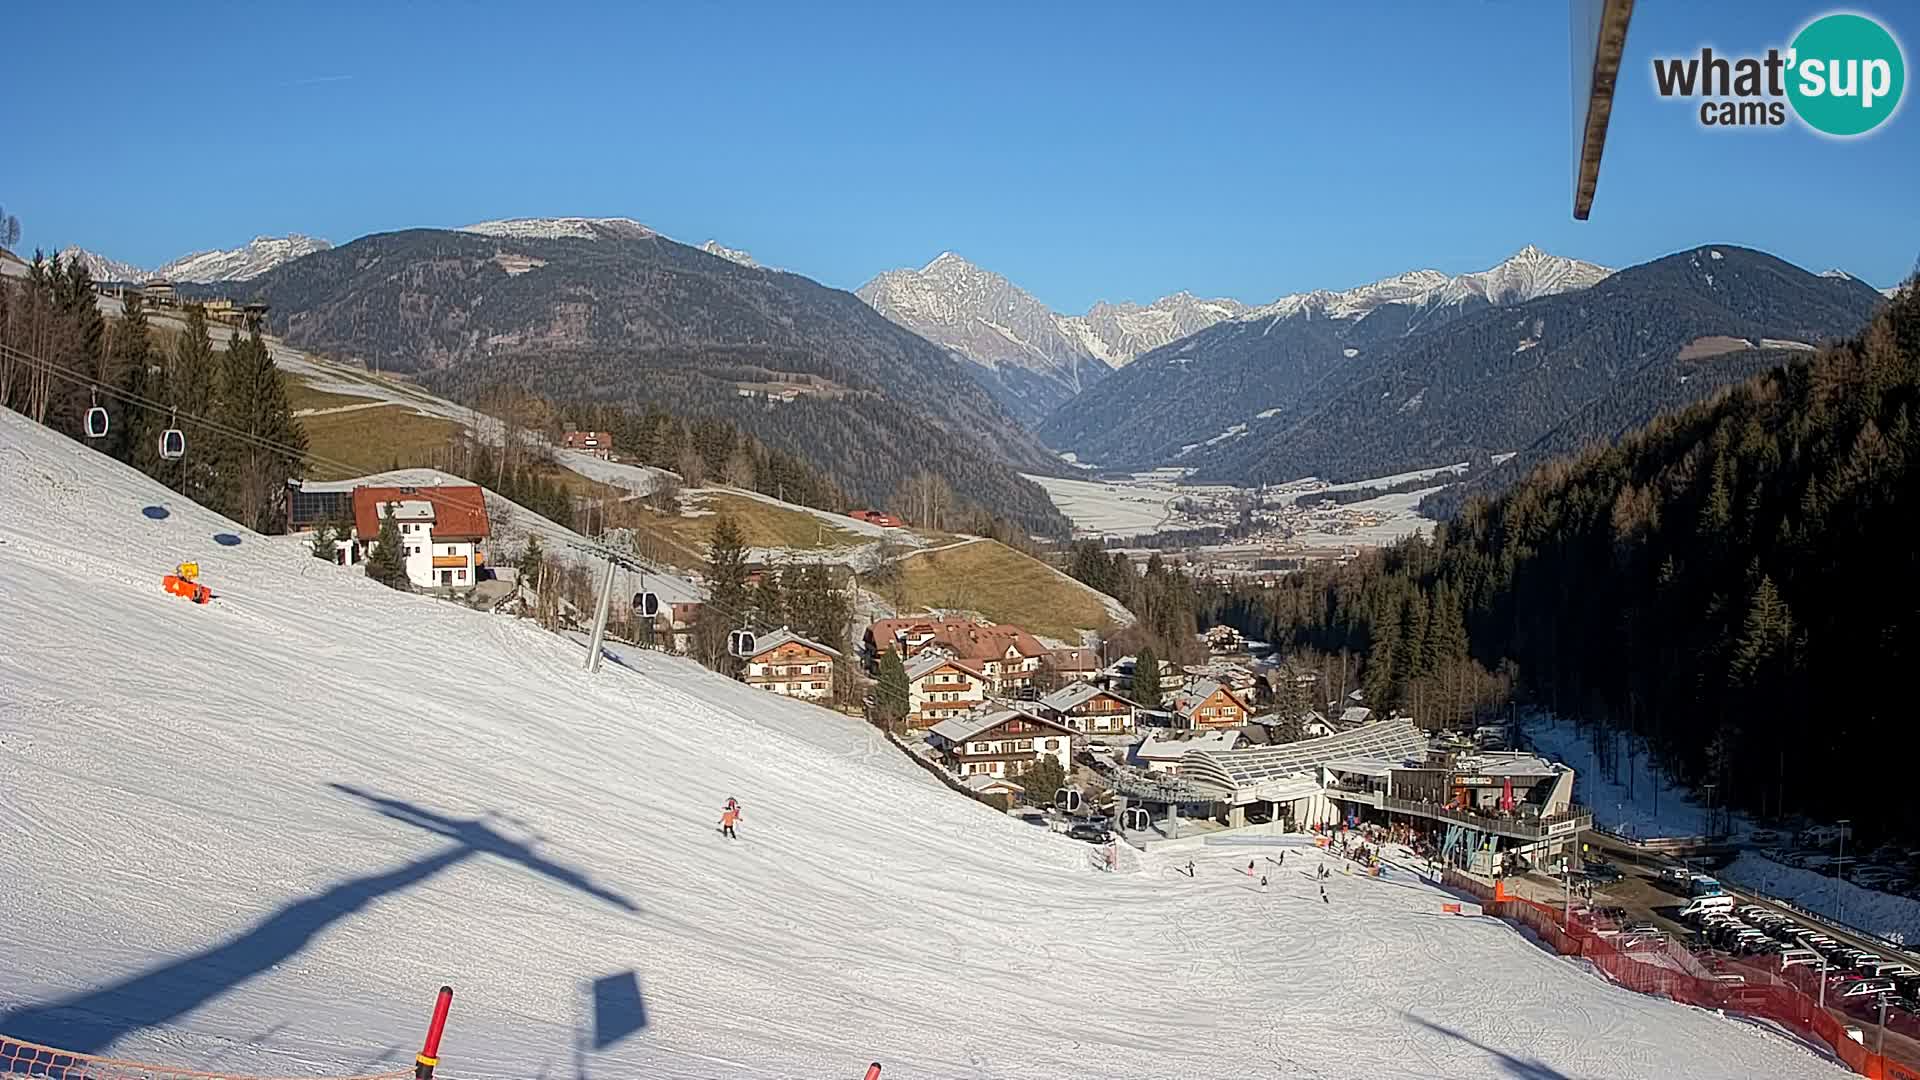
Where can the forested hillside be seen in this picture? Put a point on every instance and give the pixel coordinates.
(1737, 582)
(60, 357)
(633, 319)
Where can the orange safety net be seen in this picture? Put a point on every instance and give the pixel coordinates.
(1668, 969)
(18, 1058)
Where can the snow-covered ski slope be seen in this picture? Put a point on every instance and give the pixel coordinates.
(255, 836)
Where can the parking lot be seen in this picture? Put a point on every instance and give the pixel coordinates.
(1749, 941)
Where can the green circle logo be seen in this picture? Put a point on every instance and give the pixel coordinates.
(1847, 74)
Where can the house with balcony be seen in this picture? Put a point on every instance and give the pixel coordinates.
(787, 664)
(1002, 743)
(940, 688)
(442, 530)
(1089, 709)
(1008, 656)
(1210, 706)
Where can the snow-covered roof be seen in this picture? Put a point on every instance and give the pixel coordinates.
(1356, 715)
(926, 662)
(1155, 748)
(981, 782)
(1068, 697)
(1197, 696)
(1514, 764)
(959, 729)
(786, 636)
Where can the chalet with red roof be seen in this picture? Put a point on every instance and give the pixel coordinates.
(1006, 655)
(442, 531)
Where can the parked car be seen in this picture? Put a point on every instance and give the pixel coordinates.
(1092, 832)
(1790, 958)
(1604, 873)
(1868, 988)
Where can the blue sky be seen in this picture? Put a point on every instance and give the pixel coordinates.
(1117, 150)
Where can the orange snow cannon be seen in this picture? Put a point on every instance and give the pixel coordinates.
(184, 583)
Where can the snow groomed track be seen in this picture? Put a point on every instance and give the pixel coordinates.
(254, 837)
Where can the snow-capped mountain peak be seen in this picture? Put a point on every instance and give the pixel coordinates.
(1524, 275)
(732, 255)
(258, 256)
(561, 228)
(102, 268)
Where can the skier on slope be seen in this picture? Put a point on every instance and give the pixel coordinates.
(728, 818)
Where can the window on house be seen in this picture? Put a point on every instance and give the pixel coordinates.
(1024, 744)
(460, 575)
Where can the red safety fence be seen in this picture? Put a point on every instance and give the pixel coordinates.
(1668, 969)
(21, 1058)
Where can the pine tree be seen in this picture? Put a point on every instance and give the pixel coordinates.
(132, 356)
(1146, 679)
(253, 401)
(890, 698)
(322, 544)
(531, 557)
(769, 603)
(388, 563)
(727, 600)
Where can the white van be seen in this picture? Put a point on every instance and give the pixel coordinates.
(1797, 957)
(1708, 905)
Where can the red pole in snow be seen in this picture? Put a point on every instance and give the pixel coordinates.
(429, 1055)
(873, 1071)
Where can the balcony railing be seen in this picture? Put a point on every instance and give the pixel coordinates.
(1573, 821)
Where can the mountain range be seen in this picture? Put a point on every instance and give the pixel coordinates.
(1169, 403)
(1529, 359)
(1030, 357)
(607, 310)
(256, 257)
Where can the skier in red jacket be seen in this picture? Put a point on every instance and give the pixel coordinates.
(728, 818)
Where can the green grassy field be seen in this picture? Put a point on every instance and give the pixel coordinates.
(1002, 584)
(763, 524)
(372, 440)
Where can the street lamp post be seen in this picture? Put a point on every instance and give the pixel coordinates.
(1840, 870)
(1880, 1040)
(1708, 831)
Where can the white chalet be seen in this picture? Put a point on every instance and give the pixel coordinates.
(940, 688)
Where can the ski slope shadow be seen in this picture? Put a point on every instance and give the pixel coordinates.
(91, 1022)
(1518, 1068)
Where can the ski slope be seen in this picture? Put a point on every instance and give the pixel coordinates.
(255, 836)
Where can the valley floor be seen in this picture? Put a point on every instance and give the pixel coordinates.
(255, 836)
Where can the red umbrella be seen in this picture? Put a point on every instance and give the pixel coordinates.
(1506, 796)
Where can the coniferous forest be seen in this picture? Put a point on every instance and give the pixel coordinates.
(1736, 583)
(62, 357)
